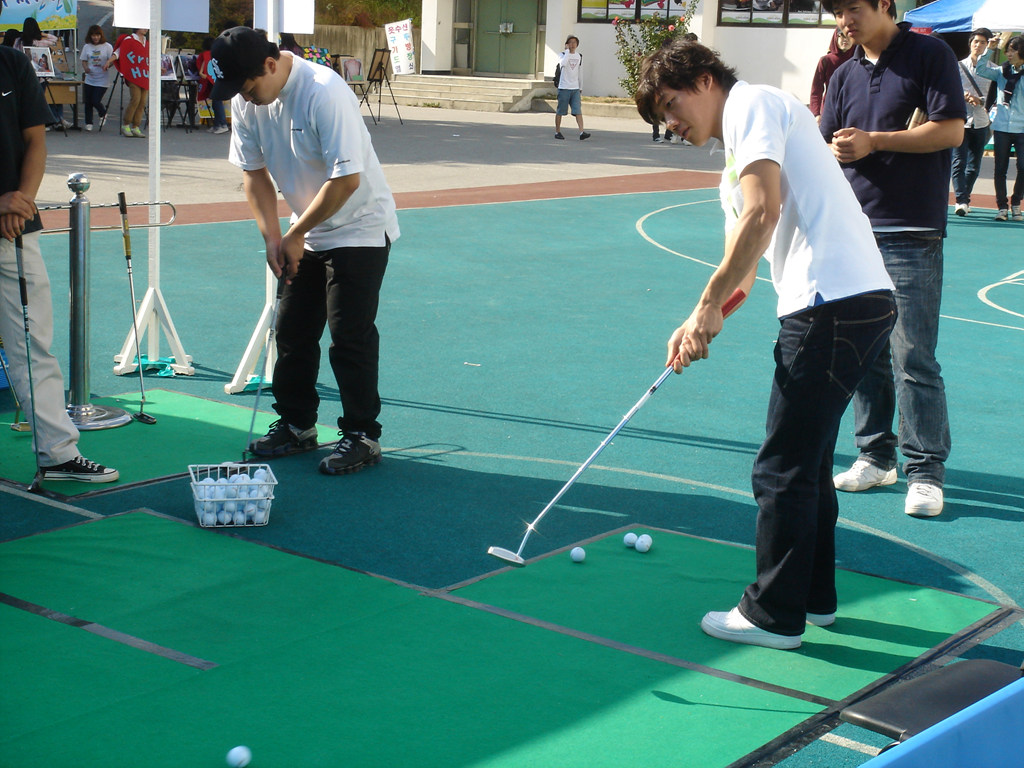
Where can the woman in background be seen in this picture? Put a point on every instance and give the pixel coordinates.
(95, 54)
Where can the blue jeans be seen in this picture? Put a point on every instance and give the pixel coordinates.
(967, 162)
(219, 117)
(1001, 142)
(907, 374)
(340, 289)
(820, 357)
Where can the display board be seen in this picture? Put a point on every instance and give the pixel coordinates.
(62, 14)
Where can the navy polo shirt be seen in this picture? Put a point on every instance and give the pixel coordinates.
(898, 189)
(22, 105)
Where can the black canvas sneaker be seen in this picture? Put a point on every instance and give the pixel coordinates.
(82, 470)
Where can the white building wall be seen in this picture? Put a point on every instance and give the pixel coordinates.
(784, 57)
(436, 36)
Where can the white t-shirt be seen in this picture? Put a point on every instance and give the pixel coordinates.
(823, 248)
(312, 133)
(93, 59)
(570, 79)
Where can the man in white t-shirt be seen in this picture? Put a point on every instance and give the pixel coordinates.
(785, 198)
(570, 87)
(297, 128)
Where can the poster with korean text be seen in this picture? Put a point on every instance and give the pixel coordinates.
(403, 55)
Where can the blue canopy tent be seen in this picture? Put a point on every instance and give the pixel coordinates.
(945, 15)
(965, 15)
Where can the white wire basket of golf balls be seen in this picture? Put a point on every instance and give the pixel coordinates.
(232, 495)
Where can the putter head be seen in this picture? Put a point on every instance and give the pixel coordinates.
(507, 555)
(145, 418)
(21, 426)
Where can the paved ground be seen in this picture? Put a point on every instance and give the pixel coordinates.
(433, 149)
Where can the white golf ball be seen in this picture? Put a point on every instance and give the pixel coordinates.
(643, 543)
(259, 474)
(209, 519)
(629, 539)
(238, 518)
(578, 554)
(239, 757)
(260, 516)
(223, 517)
(230, 507)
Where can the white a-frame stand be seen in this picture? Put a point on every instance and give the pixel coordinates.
(246, 372)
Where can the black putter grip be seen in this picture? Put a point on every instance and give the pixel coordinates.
(22, 285)
(122, 204)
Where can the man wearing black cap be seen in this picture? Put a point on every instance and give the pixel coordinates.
(297, 127)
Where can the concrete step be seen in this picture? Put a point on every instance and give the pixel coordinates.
(485, 94)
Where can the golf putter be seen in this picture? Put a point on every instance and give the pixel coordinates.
(141, 416)
(35, 486)
(261, 366)
(17, 425)
(516, 558)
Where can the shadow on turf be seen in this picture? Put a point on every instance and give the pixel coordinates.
(428, 519)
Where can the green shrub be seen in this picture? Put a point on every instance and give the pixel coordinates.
(636, 39)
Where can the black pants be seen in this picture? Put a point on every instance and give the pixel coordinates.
(93, 98)
(339, 289)
(821, 355)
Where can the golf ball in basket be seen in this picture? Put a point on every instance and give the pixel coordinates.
(578, 554)
(239, 757)
(629, 539)
(643, 543)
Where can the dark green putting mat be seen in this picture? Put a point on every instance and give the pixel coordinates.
(189, 430)
(320, 666)
(656, 600)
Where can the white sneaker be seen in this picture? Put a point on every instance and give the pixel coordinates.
(219, 130)
(1015, 213)
(962, 209)
(88, 126)
(923, 500)
(821, 619)
(1002, 215)
(732, 626)
(863, 475)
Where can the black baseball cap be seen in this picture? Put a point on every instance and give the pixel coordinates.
(237, 55)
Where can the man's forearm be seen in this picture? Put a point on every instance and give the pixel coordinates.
(929, 137)
(262, 196)
(33, 164)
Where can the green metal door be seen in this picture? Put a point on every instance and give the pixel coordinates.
(506, 37)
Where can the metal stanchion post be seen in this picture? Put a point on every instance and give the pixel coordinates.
(83, 414)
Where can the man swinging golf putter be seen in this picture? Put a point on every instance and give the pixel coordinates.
(785, 198)
(296, 127)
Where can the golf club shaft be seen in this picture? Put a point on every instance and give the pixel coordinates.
(264, 354)
(23, 287)
(727, 309)
(127, 239)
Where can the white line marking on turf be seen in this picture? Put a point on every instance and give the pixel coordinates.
(979, 581)
(982, 583)
(982, 322)
(1017, 278)
(656, 244)
(51, 503)
(856, 746)
(1011, 280)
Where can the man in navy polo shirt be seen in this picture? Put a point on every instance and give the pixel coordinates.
(899, 170)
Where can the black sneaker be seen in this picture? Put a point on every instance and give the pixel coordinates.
(81, 469)
(353, 452)
(283, 440)
(584, 136)
(559, 135)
